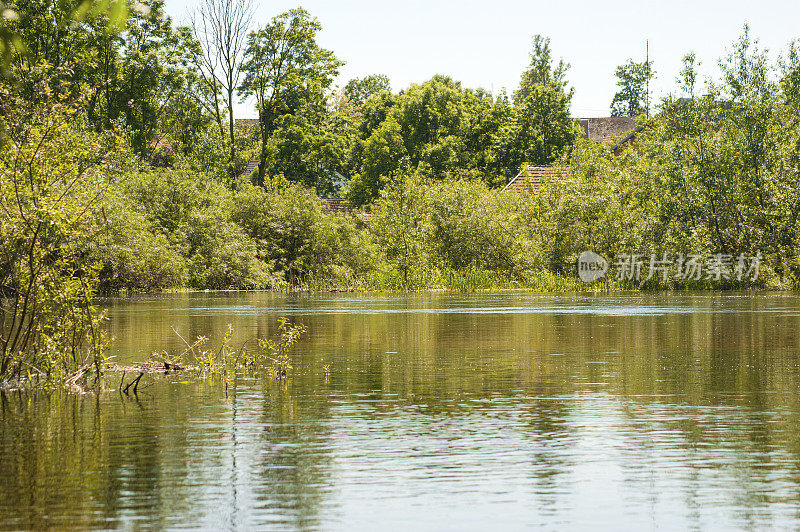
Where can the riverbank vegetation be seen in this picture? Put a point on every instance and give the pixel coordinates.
(123, 170)
(266, 357)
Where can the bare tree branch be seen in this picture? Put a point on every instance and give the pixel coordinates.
(221, 27)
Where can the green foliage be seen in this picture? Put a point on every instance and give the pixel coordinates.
(541, 71)
(687, 78)
(540, 129)
(359, 90)
(139, 71)
(446, 131)
(287, 71)
(171, 228)
(790, 75)
(303, 244)
(718, 174)
(271, 357)
(14, 38)
(473, 226)
(10, 40)
(586, 211)
(400, 225)
(194, 215)
(632, 98)
(452, 233)
(276, 352)
(381, 155)
(134, 254)
(52, 173)
(310, 150)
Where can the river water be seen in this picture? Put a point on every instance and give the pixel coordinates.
(435, 411)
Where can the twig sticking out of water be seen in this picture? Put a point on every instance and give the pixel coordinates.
(134, 383)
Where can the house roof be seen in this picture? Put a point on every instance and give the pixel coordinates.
(616, 149)
(530, 179)
(603, 129)
(161, 142)
(250, 168)
(246, 122)
(335, 204)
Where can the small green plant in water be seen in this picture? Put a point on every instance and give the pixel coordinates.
(270, 357)
(274, 354)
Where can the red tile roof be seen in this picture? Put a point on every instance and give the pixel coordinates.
(335, 204)
(250, 168)
(531, 178)
(161, 142)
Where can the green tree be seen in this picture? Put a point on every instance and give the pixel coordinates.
(52, 174)
(790, 74)
(310, 150)
(137, 73)
(285, 69)
(194, 214)
(359, 90)
(16, 33)
(381, 155)
(443, 128)
(400, 225)
(539, 128)
(152, 68)
(632, 98)
(302, 243)
(541, 70)
(687, 77)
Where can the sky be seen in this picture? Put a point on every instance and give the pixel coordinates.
(487, 43)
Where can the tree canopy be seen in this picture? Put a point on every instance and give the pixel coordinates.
(632, 98)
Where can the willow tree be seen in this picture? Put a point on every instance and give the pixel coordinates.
(53, 173)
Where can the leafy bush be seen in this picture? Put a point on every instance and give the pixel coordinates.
(52, 173)
(133, 254)
(194, 216)
(475, 227)
(297, 238)
(433, 231)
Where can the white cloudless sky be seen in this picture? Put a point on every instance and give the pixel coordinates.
(486, 43)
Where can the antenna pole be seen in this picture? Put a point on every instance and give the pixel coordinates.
(647, 73)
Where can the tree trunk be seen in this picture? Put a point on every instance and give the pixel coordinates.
(230, 128)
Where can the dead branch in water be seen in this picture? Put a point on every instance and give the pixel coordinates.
(134, 383)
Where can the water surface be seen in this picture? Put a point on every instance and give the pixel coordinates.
(439, 411)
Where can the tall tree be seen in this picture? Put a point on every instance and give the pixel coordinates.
(632, 98)
(442, 128)
(152, 68)
(14, 38)
(221, 27)
(133, 73)
(790, 73)
(539, 127)
(359, 89)
(541, 70)
(687, 77)
(286, 70)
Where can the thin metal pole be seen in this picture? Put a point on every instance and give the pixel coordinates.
(647, 73)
